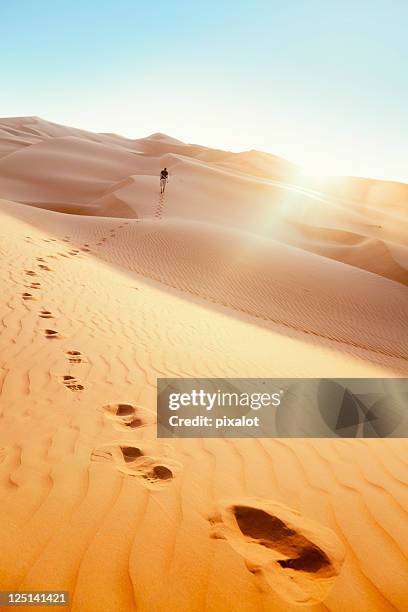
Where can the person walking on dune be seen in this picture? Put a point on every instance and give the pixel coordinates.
(164, 177)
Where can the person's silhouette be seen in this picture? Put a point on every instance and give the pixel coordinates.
(164, 177)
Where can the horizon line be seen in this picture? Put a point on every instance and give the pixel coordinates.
(299, 166)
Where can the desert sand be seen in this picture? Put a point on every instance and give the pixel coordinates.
(245, 268)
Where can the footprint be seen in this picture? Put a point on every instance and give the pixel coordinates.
(46, 314)
(295, 556)
(28, 296)
(130, 453)
(44, 267)
(141, 462)
(126, 416)
(75, 357)
(72, 383)
(35, 285)
(40, 259)
(51, 333)
(31, 273)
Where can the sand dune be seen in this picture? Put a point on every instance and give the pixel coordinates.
(257, 163)
(232, 273)
(74, 168)
(78, 172)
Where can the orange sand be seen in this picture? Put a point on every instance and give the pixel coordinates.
(242, 269)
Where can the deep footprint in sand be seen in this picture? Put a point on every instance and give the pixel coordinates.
(75, 357)
(35, 285)
(46, 314)
(297, 557)
(28, 296)
(129, 416)
(139, 461)
(44, 267)
(51, 333)
(31, 273)
(130, 453)
(72, 383)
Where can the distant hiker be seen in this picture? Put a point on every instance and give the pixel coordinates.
(164, 177)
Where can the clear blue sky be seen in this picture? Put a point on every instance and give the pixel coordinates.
(321, 82)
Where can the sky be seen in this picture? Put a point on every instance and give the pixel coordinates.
(323, 83)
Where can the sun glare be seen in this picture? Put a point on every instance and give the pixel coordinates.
(315, 172)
